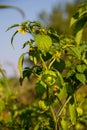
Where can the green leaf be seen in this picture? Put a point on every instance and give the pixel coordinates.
(79, 29)
(36, 69)
(13, 37)
(43, 43)
(37, 126)
(25, 44)
(78, 36)
(81, 68)
(40, 89)
(15, 25)
(74, 19)
(60, 78)
(79, 19)
(34, 55)
(20, 64)
(43, 106)
(70, 73)
(82, 9)
(63, 93)
(72, 112)
(64, 124)
(26, 73)
(76, 51)
(28, 43)
(81, 78)
(60, 66)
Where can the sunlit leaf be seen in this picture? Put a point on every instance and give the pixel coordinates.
(72, 112)
(61, 78)
(70, 73)
(79, 29)
(64, 124)
(78, 36)
(81, 68)
(20, 64)
(74, 19)
(76, 51)
(43, 42)
(81, 78)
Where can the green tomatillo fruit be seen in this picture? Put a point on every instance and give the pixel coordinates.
(49, 77)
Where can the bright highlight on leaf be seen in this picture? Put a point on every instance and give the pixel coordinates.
(22, 31)
(43, 43)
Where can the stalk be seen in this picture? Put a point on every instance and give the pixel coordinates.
(54, 117)
(52, 110)
(61, 110)
(43, 63)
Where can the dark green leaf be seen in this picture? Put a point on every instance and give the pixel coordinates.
(34, 55)
(13, 37)
(25, 44)
(15, 25)
(40, 89)
(36, 69)
(27, 72)
(60, 66)
(79, 29)
(28, 43)
(47, 57)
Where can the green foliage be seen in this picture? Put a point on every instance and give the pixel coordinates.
(60, 69)
(79, 19)
(59, 18)
(43, 43)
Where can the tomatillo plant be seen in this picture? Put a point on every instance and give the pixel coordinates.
(60, 67)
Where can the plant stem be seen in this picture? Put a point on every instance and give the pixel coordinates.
(61, 110)
(54, 117)
(43, 63)
(52, 110)
(51, 63)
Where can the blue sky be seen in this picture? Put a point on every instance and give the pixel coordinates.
(9, 56)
